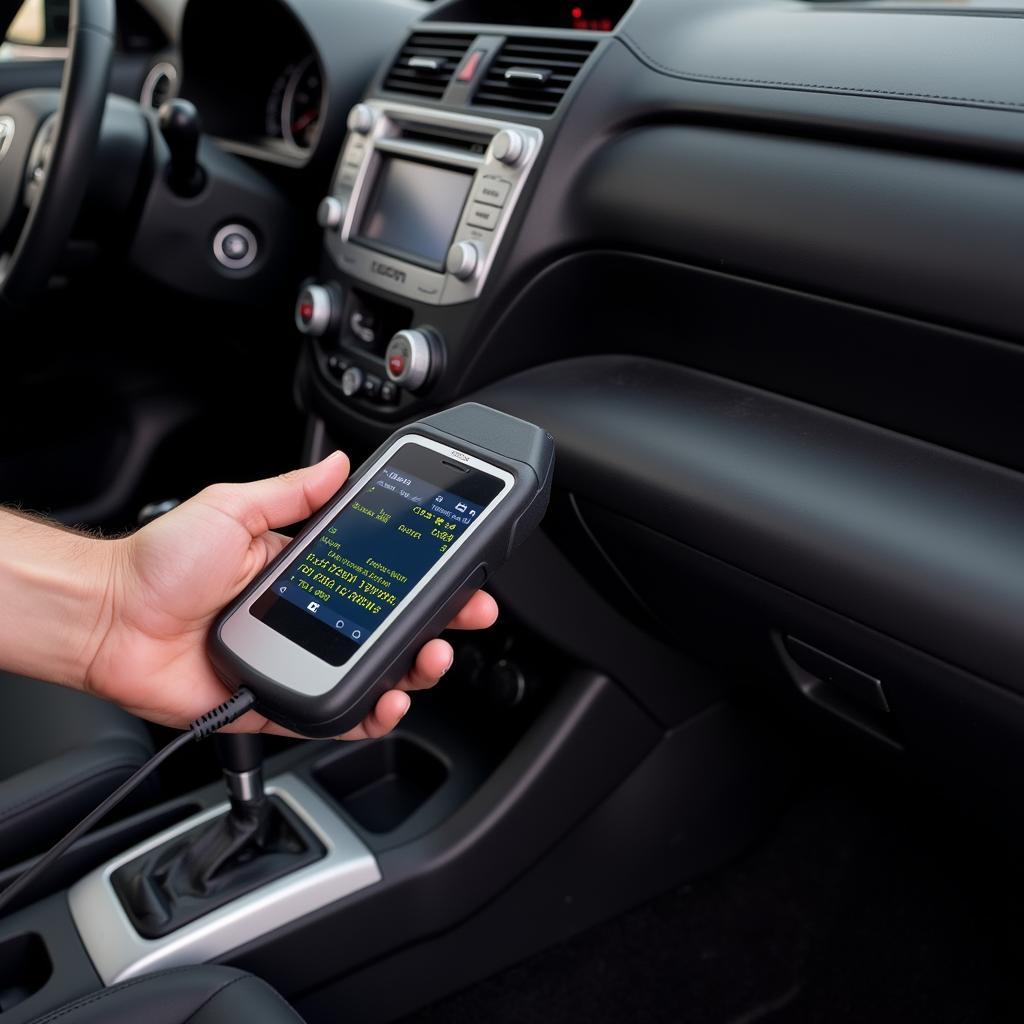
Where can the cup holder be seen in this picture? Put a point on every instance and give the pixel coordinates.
(382, 783)
(24, 969)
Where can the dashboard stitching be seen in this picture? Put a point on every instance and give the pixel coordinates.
(853, 89)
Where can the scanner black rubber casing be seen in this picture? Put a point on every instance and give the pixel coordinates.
(524, 450)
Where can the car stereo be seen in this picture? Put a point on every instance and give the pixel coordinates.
(421, 198)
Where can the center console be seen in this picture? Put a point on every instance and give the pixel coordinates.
(420, 204)
(422, 198)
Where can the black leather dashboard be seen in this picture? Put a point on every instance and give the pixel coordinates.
(915, 541)
(919, 68)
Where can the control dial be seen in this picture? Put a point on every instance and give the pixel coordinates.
(315, 310)
(463, 259)
(411, 356)
(361, 119)
(352, 381)
(330, 213)
(508, 147)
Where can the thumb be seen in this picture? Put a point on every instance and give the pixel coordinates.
(280, 500)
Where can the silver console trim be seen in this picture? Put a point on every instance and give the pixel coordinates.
(353, 181)
(118, 952)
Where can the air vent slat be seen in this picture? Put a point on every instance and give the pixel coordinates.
(560, 61)
(434, 59)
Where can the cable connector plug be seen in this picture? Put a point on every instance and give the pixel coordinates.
(223, 714)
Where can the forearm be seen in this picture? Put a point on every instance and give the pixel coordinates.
(55, 598)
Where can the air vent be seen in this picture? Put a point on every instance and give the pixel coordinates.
(426, 64)
(532, 75)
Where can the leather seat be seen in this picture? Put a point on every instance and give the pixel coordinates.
(61, 753)
(185, 995)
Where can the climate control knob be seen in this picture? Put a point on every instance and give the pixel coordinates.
(463, 259)
(315, 310)
(411, 356)
(361, 119)
(352, 381)
(508, 147)
(330, 213)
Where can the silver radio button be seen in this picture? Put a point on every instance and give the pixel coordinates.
(483, 216)
(508, 147)
(361, 119)
(491, 191)
(463, 259)
(330, 213)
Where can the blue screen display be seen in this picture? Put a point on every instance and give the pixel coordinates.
(369, 557)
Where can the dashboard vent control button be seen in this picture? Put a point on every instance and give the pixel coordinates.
(470, 66)
(532, 74)
(427, 63)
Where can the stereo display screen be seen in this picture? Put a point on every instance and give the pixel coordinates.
(414, 210)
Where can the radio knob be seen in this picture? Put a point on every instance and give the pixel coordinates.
(508, 146)
(463, 259)
(361, 119)
(409, 357)
(315, 310)
(330, 213)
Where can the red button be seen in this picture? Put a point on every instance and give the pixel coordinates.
(306, 311)
(468, 69)
(396, 364)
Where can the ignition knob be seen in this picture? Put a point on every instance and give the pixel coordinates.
(330, 213)
(410, 357)
(315, 310)
(463, 259)
(508, 147)
(361, 119)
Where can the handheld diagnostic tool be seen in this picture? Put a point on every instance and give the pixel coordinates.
(338, 617)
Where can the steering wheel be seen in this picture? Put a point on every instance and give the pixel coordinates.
(46, 152)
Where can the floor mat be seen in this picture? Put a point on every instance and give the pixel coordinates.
(866, 904)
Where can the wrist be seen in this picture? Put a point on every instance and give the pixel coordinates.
(104, 562)
(58, 594)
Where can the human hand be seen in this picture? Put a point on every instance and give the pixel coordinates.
(168, 581)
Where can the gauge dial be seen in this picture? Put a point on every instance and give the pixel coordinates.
(293, 107)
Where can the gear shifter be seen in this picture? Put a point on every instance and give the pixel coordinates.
(180, 127)
(258, 840)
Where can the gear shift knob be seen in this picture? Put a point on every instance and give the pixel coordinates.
(180, 127)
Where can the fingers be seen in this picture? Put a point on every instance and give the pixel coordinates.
(434, 659)
(278, 501)
(390, 710)
(479, 612)
(273, 545)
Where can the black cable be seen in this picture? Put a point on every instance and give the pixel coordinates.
(223, 714)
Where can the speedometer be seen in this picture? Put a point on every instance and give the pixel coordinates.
(293, 107)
